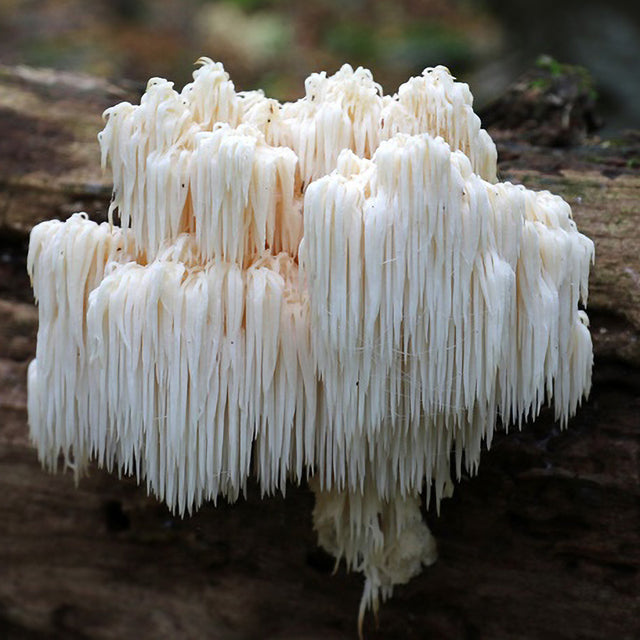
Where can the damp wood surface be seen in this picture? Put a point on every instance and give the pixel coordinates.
(543, 543)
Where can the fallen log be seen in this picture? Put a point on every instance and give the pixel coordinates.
(544, 542)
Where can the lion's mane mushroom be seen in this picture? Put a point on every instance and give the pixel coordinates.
(334, 289)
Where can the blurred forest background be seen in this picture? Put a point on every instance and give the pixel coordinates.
(275, 44)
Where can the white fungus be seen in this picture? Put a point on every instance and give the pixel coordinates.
(335, 289)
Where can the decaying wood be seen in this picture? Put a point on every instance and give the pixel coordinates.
(543, 543)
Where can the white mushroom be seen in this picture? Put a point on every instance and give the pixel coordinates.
(334, 288)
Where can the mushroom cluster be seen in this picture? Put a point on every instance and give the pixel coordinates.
(335, 289)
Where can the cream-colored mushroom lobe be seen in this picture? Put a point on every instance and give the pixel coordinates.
(334, 289)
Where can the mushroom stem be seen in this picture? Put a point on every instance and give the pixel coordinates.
(386, 539)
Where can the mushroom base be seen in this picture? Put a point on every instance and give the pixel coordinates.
(385, 539)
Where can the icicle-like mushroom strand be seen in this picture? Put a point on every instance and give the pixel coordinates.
(335, 288)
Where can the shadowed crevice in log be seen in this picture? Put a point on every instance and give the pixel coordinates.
(29, 144)
(14, 281)
(115, 518)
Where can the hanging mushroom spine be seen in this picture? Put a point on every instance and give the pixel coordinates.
(336, 288)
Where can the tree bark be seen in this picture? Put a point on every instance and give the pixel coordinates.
(543, 543)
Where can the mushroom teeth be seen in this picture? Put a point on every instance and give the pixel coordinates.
(335, 289)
